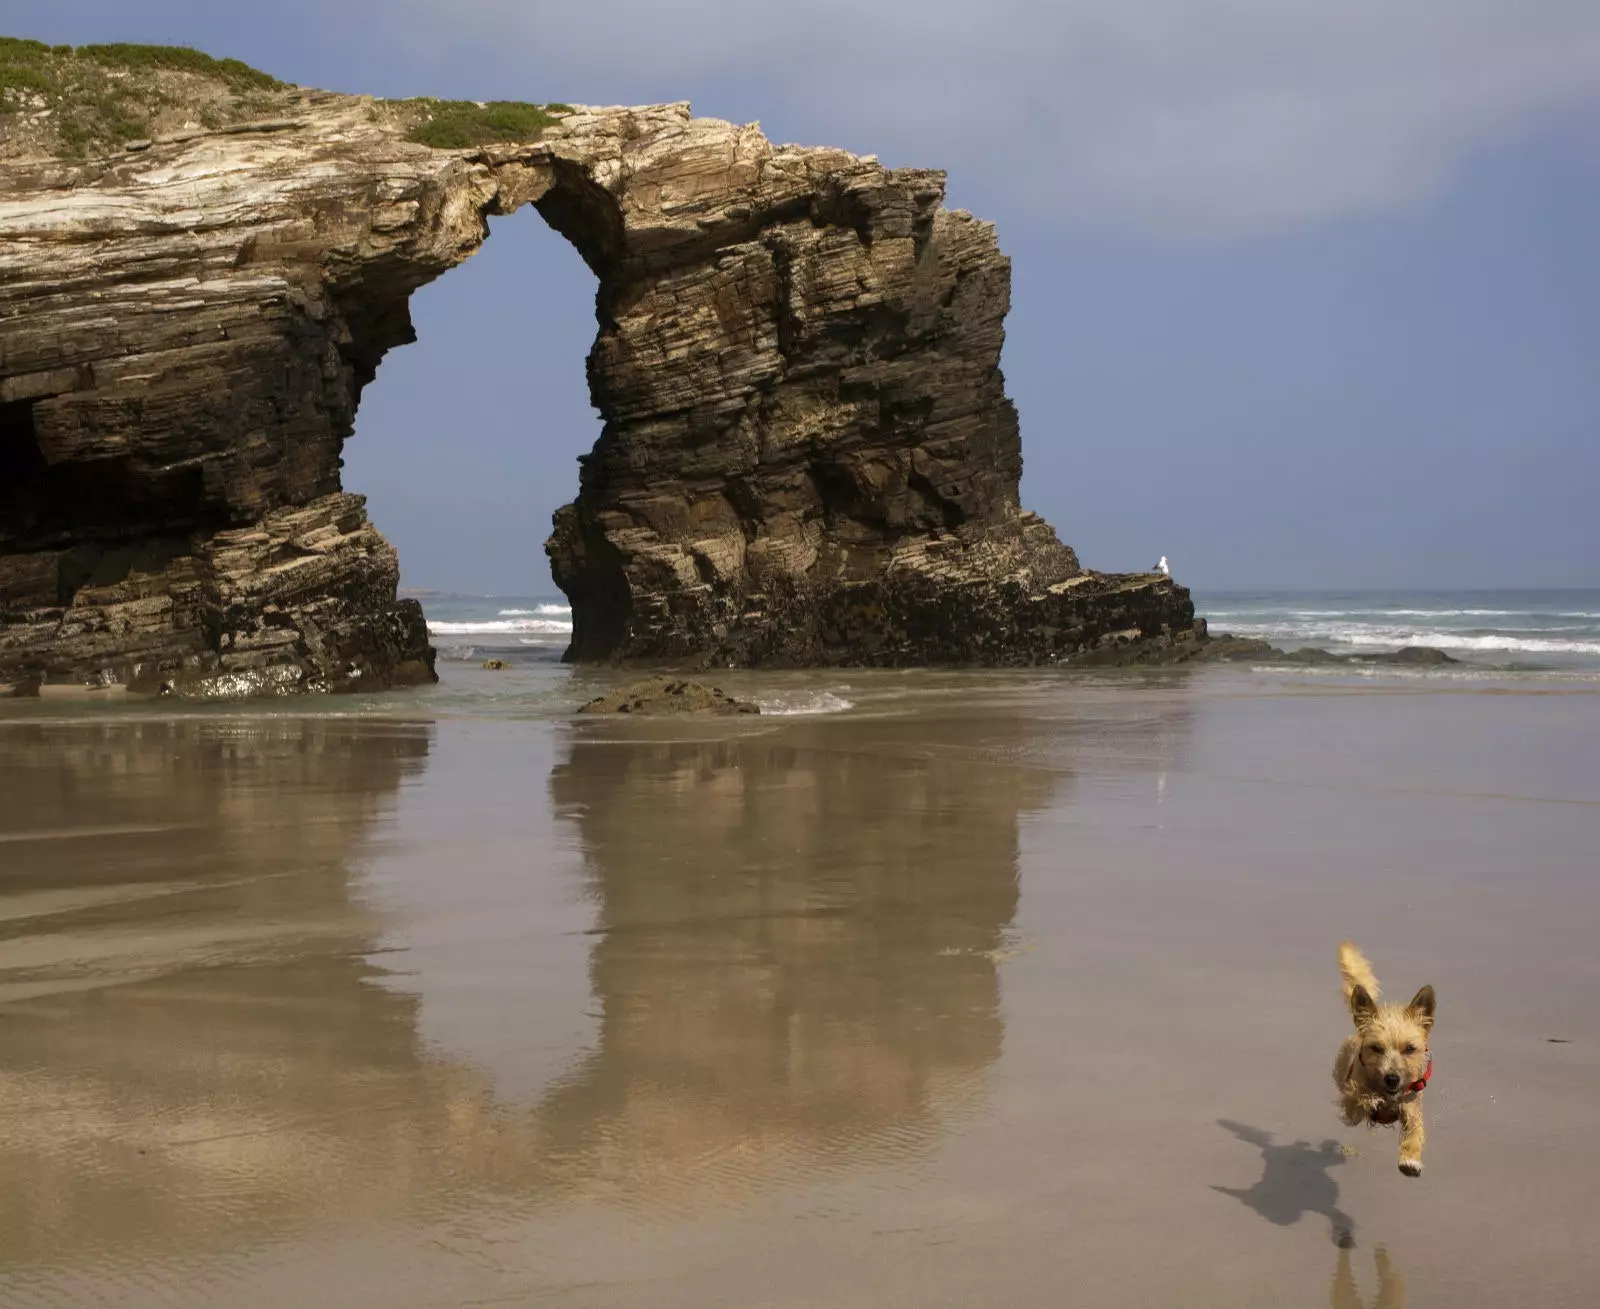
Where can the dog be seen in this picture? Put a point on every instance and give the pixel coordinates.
(1382, 1070)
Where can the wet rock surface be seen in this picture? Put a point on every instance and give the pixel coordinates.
(808, 455)
(1225, 647)
(668, 695)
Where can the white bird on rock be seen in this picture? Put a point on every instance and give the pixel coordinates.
(1161, 567)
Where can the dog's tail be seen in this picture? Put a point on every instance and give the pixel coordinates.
(1356, 971)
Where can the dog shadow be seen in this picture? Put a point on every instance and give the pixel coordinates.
(1296, 1180)
(1345, 1294)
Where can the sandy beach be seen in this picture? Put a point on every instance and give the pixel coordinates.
(999, 989)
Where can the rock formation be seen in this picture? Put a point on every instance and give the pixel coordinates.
(808, 455)
(668, 695)
(1224, 647)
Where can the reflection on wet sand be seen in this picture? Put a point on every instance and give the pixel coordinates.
(1345, 1294)
(499, 1011)
(191, 1050)
(794, 963)
(134, 848)
(798, 942)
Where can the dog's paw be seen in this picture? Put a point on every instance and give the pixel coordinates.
(1411, 1167)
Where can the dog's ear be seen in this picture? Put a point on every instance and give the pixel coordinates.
(1363, 1008)
(1421, 1008)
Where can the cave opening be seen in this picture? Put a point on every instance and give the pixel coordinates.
(22, 467)
(20, 456)
(47, 505)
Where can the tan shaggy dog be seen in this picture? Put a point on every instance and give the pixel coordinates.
(1381, 1070)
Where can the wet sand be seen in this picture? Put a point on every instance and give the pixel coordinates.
(999, 990)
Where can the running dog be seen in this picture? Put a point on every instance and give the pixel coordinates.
(1383, 1069)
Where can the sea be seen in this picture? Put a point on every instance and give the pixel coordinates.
(1507, 631)
(461, 625)
(1487, 631)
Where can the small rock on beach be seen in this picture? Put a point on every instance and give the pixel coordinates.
(668, 695)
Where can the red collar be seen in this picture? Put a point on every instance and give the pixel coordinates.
(1417, 1087)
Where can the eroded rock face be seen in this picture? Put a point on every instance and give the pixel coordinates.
(808, 454)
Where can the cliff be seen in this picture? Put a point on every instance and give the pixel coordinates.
(808, 456)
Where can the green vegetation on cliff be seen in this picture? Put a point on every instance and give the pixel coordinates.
(57, 100)
(180, 59)
(456, 124)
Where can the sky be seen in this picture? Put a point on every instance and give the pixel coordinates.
(1305, 295)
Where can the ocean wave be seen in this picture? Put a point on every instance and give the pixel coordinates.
(812, 702)
(500, 627)
(537, 609)
(1363, 635)
(1500, 641)
(1485, 675)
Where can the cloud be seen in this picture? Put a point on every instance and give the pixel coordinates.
(1193, 116)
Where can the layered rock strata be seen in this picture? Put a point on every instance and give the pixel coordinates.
(808, 455)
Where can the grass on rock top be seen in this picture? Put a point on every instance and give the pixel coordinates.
(457, 124)
(181, 59)
(76, 103)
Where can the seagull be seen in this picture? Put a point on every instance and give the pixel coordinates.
(1161, 567)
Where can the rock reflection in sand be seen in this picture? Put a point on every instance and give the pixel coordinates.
(510, 1011)
(192, 1054)
(796, 952)
(211, 1043)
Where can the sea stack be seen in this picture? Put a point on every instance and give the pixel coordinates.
(808, 456)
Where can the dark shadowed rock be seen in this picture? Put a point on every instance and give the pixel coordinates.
(1424, 656)
(1225, 647)
(668, 695)
(1421, 656)
(808, 454)
(1310, 654)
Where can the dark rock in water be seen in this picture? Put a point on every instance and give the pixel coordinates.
(1414, 655)
(668, 695)
(1225, 647)
(1310, 654)
(1418, 655)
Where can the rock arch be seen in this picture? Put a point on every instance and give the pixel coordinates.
(808, 456)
